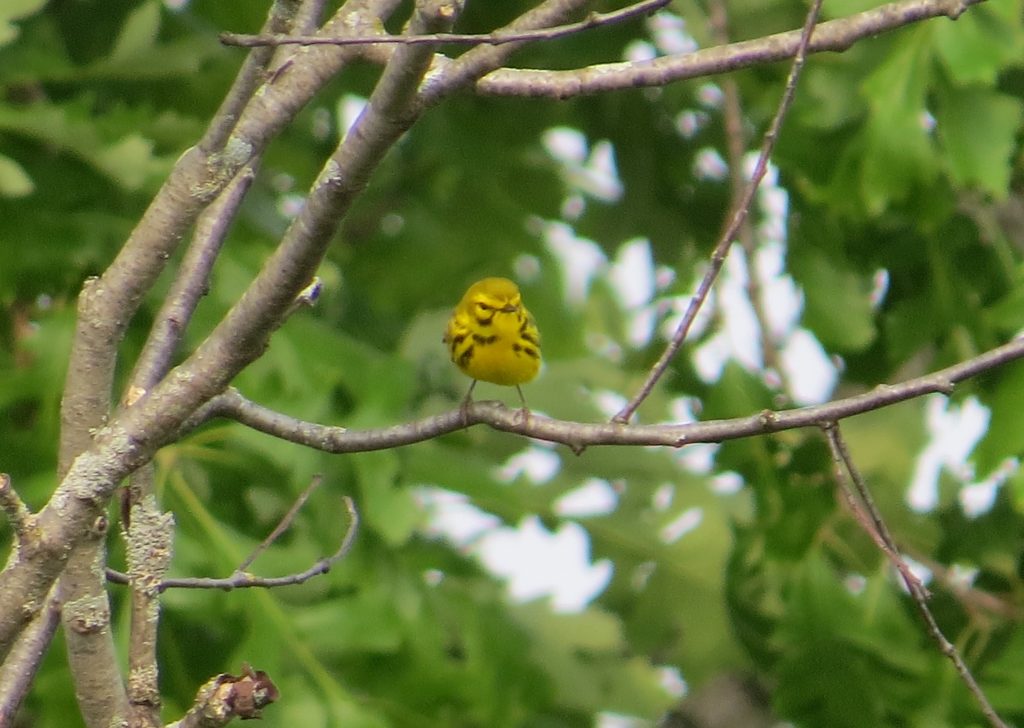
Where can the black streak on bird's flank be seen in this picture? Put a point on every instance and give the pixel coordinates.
(481, 339)
(465, 356)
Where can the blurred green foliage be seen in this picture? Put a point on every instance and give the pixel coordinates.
(902, 154)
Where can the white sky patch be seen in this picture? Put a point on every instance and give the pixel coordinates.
(855, 583)
(698, 458)
(579, 259)
(672, 680)
(602, 174)
(710, 95)
(922, 572)
(879, 288)
(708, 164)
(962, 577)
(632, 273)
(348, 110)
(537, 462)
(610, 403)
(632, 277)
(453, 516)
(565, 145)
(783, 300)
(809, 370)
(663, 496)
(595, 174)
(727, 483)
(290, 205)
(639, 50)
(710, 358)
(977, 499)
(595, 497)
(737, 313)
(678, 527)
(954, 430)
(618, 720)
(538, 563)
(668, 31)
(663, 277)
(690, 122)
(736, 338)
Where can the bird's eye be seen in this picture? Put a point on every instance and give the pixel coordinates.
(483, 306)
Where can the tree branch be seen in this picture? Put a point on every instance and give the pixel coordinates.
(834, 35)
(578, 436)
(18, 671)
(451, 76)
(150, 546)
(499, 37)
(109, 453)
(244, 580)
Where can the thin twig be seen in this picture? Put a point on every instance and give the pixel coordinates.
(243, 580)
(919, 595)
(593, 20)
(735, 146)
(864, 510)
(284, 524)
(722, 248)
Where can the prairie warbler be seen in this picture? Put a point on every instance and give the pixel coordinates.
(492, 337)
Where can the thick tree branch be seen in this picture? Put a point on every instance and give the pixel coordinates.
(150, 546)
(106, 305)
(834, 35)
(85, 616)
(137, 431)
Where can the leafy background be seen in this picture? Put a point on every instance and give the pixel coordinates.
(901, 155)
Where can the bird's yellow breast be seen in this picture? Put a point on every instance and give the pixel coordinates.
(491, 336)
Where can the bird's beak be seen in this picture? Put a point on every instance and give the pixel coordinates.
(509, 308)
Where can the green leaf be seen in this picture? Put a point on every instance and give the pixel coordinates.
(388, 508)
(139, 31)
(979, 127)
(14, 180)
(1005, 436)
(11, 10)
(981, 42)
(583, 654)
(837, 303)
(898, 153)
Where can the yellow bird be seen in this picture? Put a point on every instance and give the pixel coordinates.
(492, 337)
